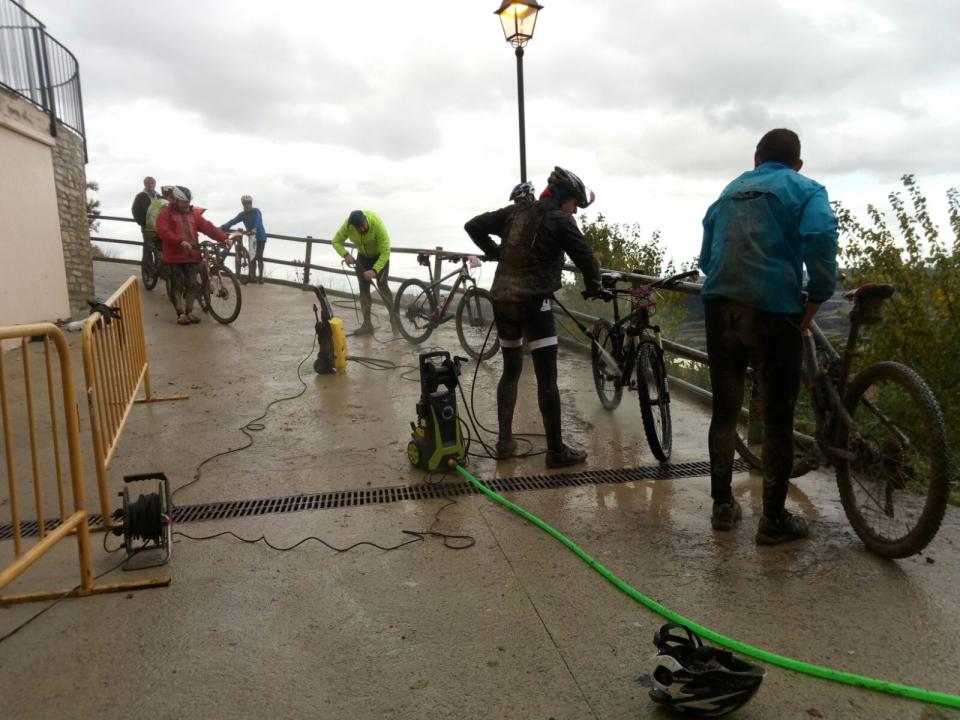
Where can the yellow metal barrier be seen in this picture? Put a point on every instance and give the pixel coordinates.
(76, 522)
(114, 365)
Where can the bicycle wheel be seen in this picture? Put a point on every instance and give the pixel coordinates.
(894, 471)
(609, 384)
(415, 310)
(654, 401)
(151, 273)
(222, 295)
(475, 324)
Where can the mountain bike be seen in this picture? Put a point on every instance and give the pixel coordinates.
(219, 288)
(419, 308)
(242, 257)
(634, 344)
(883, 432)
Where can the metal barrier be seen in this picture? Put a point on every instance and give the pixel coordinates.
(76, 522)
(114, 365)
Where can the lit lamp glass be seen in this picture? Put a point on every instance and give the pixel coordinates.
(518, 17)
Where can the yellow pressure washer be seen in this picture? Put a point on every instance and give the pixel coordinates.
(331, 338)
(436, 437)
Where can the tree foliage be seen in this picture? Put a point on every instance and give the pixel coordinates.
(93, 206)
(922, 321)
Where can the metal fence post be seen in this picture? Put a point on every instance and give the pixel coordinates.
(438, 264)
(307, 261)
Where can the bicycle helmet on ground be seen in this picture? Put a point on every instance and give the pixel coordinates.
(523, 191)
(246, 199)
(182, 193)
(697, 680)
(570, 185)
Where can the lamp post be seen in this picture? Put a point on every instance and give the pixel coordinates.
(519, 17)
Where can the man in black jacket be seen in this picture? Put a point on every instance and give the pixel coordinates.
(141, 203)
(535, 236)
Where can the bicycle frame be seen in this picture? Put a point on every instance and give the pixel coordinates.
(464, 278)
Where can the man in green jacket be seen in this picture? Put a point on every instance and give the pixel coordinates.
(366, 230)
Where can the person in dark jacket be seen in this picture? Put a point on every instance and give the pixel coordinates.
(535, 236)
(765, 227)
(141, 203)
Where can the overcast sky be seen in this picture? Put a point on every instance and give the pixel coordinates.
(410, 109)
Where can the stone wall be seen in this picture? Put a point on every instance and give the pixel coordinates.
(69, 170)
(69, 166)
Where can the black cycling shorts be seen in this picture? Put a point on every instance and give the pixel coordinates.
(531, 321)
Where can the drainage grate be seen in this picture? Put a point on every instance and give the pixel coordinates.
(382, 496)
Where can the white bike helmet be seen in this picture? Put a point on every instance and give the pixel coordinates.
(697, 680)
(246, 199)
(523, 191)
(182, 193)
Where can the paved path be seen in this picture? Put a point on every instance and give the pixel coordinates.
(514, 627)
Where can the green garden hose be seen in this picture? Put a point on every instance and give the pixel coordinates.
(840, 676)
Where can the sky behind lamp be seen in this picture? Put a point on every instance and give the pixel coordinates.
(518, 18)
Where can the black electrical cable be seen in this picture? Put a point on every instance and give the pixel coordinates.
(66, 595)
(418, 536)
(253, 426)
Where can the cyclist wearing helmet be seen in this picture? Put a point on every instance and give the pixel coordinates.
(366, 230)
(534, 238)
(524, 192)
(178, 225)
(252, 219)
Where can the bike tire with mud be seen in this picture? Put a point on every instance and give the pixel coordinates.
(898, 447)
(609, 389)
(415, 311)
(220, 288)
(654, 401)
(475, 324)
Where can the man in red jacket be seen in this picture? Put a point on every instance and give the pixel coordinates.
(178, 225)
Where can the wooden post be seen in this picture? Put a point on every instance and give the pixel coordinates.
(437, 265)
(307, 261)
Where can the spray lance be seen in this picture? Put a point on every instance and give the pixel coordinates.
(611, 368)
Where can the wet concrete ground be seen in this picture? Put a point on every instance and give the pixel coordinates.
(513, 627)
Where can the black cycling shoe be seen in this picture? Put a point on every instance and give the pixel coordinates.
(726, 515)
(783, 529)
(506, 448)
(565, 456)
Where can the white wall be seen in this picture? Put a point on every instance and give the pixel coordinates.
(33, 283)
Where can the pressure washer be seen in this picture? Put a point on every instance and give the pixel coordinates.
(331, 338)
(147, 519)
(436, 437)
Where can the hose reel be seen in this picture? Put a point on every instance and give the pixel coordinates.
(145, 523)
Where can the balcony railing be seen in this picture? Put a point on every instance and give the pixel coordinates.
(39, 69)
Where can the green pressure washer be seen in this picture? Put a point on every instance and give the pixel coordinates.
(436, 436)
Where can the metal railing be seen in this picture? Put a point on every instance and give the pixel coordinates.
(40, 69)
(44, 431)
(306, 266)
(114, 366)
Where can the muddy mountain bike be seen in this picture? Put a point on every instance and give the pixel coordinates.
(219, 288)
(634, 344)
(882, 431)
(419, 308)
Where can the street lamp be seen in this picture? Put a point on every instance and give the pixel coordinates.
(518, 18)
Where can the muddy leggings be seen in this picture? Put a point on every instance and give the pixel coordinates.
(185, 286)
(771, 343)
(548, 394)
